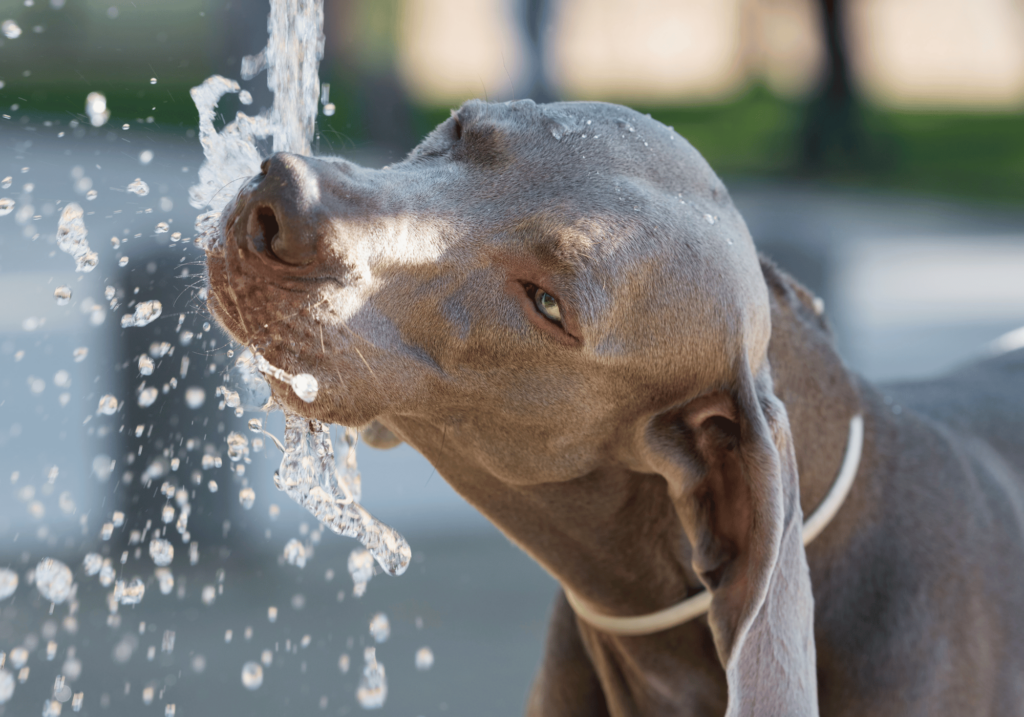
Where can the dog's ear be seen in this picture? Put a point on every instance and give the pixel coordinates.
(729, 461)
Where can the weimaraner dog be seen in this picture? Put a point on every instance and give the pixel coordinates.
(560, 307)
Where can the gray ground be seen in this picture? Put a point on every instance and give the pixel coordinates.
(913, 286)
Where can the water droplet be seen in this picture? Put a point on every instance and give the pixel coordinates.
(79, 698)
(61, 692)
(54, 580)
(91, 563)
(165, 579)
(343, 663)
(145, 157)
(148, 396)
(129, 593)
(80, 354)
(272, 614)
(106, 531)
(6, 182)
(167, 514)
(8, 583)
(245, 97)
(162, 228)
(19, 656)
(238, 444)
(146, 365)
(424, 658)
(169, 710)
(360, 567)
(96, 108)
(710, 219)
(252, 676)
(195, 397)
(380, 627)
(10, 29)
(305, 387)
(6, 206)
(247, 496)
(295, 553)
(7, 686)
(139, 187)
(108, 405)
(62, 294)
(107, 573)
(71, 233)
(329, 109)
(373, 686)
(161, 551)
(256, 425)
(152, 80)
(146, 312)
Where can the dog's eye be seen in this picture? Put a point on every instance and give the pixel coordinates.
(547, 306)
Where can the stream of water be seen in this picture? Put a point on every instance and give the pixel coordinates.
(310, 473)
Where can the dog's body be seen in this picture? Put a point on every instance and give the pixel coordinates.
(560, 308)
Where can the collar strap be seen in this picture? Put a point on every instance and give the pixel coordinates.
(696, 605)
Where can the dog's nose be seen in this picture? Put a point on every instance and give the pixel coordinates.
(284, 212)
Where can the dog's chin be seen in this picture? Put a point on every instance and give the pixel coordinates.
(331, 405)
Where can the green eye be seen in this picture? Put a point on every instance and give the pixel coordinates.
(547, 306)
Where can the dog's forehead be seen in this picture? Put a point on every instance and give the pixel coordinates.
(635, 199)
(595, 140)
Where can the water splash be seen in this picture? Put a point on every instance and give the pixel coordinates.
(96, 108)
(252, 675)
(309, 476)
(54, 580)
(146, 312)
(373, 686)
(71, 233)
(8, 583)
(424, 658)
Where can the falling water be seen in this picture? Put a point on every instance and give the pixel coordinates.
(308, 474)
(134, 563)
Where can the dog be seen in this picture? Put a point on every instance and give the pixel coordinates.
(560, 307)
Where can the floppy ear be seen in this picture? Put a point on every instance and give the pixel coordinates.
(729, 461)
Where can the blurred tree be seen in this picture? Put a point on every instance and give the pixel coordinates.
(832, 127)
(536, 18)
(359, 59)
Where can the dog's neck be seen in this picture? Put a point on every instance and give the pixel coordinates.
(625, 553)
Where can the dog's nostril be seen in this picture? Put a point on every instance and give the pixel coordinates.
(267, 222)
(283, 236)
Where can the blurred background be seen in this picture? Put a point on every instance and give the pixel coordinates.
(875, 147)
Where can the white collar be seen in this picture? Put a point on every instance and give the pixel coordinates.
(697, 605)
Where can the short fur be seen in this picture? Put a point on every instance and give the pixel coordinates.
(668, 435)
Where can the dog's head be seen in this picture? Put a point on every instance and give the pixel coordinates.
(558, 289)
(553, 270)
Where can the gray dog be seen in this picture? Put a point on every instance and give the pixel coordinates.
(560, 307)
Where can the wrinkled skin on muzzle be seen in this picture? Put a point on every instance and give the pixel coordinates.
(414, 294)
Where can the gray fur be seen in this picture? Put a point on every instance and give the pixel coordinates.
(668, 436)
